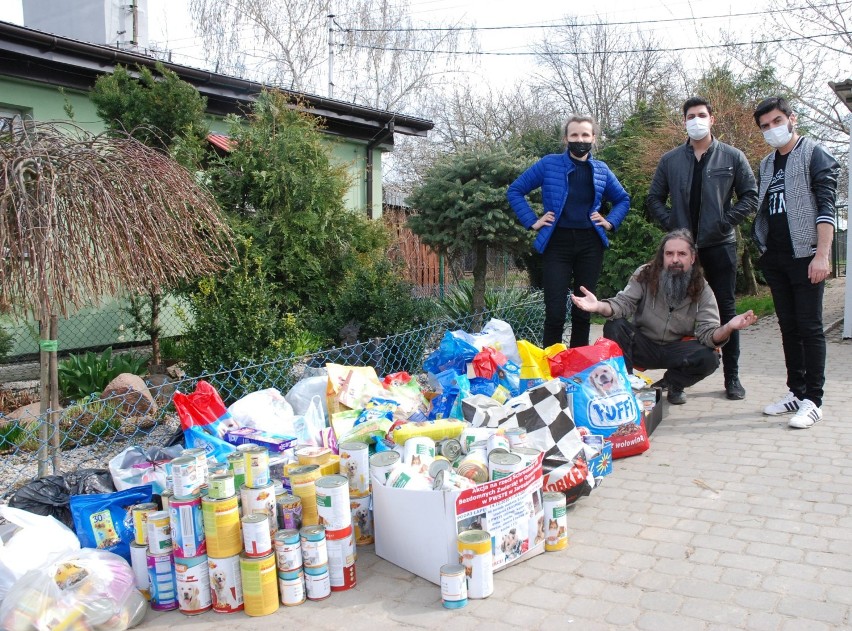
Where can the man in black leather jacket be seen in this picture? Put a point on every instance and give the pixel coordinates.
(700, 179)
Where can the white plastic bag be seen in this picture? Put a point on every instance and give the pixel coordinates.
(266, 410)
(301, 395)
(498, 335)
(136, 466)
(309, 426)
(40, 540)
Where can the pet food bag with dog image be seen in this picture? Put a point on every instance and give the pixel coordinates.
(104, 521)
(603, 400)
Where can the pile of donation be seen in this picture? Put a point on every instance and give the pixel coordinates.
(267, 500)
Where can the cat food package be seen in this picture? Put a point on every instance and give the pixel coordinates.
(104, 521)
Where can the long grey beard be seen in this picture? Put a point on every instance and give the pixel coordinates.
(675, 285)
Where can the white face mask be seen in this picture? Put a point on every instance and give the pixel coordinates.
(779, 136)
(698, 128)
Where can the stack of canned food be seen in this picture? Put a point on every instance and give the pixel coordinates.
(355, 465)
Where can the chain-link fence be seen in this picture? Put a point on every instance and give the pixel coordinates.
(91, 433)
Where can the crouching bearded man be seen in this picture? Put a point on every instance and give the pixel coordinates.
(667, 317)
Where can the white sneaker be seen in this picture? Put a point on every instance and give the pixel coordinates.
(789, 404)
(807, 415)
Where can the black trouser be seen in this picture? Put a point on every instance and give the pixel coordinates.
(798, 305)
(720, 270)
(686, 362)
(576, 254)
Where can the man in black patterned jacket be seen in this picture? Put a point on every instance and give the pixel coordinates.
(794, 229)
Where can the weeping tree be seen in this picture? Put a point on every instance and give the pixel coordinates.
(84, 216)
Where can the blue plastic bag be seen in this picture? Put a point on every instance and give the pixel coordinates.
(453, 354)
(104, 521)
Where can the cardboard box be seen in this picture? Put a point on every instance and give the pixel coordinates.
(249, 436)
(418, 530)
(655, 416)
(601, 464)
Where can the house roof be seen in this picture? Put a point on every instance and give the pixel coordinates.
(33, 55)
(843, 90)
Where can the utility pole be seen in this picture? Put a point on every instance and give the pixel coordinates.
(331, 56)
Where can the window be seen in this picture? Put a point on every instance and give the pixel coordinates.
(9, 116)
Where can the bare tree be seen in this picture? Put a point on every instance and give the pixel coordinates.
(602, 70)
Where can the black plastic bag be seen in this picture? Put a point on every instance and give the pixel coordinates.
(51, 495)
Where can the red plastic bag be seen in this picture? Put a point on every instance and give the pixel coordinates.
(573, 360)
(205, 419)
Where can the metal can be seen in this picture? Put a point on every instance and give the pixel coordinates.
(226, 584)
(303, 480)
(314, 548)
(355, 465)
(517, 437)
(291, 584)
(405, 476)
(260, 500)
(473, 467)
(453, 586)
(475, 555)
(381, 464)
(451, 481)
(260, 585)
(256, 539)
(472, 435)
(480, 448)
(419, 451)
(556, 521)
(502, 464)
(187, 527)
(362, 519)
(257, 466)
(139, 563)
(289, 508)
(237, 466)
(288, 550)
(317, 583)
(221, 486)
(193, 585)
(439, 464)
(221, 519)
(200, 455)
(341, 559)
(527, 454)
(159, 532)
(449, 448)
(166, 497)
(139, 513)
(161, 572)
(333, 502)
(216, 468)
(185, 477)
(497, 443)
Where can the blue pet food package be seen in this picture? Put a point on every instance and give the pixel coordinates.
(103, 521)
(603, 401)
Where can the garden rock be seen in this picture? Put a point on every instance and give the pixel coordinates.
(24, 414)
(136, 398)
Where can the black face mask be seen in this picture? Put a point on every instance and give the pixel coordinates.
(579, 149)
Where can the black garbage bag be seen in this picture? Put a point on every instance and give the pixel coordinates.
(51, 495)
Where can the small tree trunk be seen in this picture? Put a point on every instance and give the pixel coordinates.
(154, 329)
(44, 403)
(748, 269)
(54, 396)
(480, 270)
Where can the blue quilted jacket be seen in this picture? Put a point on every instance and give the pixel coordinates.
(551, 174)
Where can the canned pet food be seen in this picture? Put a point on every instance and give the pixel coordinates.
(355, 465)
(185, 477)
(362, 519)
(260, 585)
(226, 585)
(161, 574)
(341, 559)
(381, 464)
(260, 500)
(473, 467)
(419, 451)
(292, 587)
(480, 448)
(256, 466)
(502, 464)
(449, 448)
(221, 519)
(528, 455)
(317, 583)
(187, 527)
(221, 486)
(200, 455)
(166, 497)
(140, 513)
(404, 476)
(193, 585)
(139, 563)
(237, 466)
(288, 550)
(333, 502)
(517, 437)
(450, 481)
(439, 464)
(303, 480)
(289, 509)
(453, 586)
(556, 522)
(475, 555)
(159, 532)
(314, 548)
(256, 538)
(472, 435)
(497, 443)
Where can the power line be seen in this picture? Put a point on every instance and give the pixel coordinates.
(563, 25)
(598, 52)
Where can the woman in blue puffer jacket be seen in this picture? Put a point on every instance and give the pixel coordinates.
(572, 233)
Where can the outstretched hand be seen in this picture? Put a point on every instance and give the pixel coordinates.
(587, 302)
(743, 320)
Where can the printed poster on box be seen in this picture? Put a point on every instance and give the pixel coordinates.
(418, 530)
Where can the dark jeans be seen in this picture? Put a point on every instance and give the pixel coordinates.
(798, 305)
(720, 270)
(687, 362)
(576, 254)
